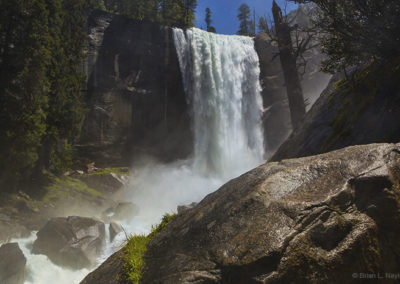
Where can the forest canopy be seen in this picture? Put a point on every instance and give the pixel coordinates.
(175, 13)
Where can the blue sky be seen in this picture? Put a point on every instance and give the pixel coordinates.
(224, 12)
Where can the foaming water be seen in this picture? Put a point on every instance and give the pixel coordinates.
(221, 80)
(41, 270)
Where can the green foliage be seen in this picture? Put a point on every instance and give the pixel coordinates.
(246, 26)
(120, 171)
(176, 13)
(136, 247)
(208, 21)
(358, 31)
(41, 104)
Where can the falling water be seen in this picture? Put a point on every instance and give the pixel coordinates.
(221, 80)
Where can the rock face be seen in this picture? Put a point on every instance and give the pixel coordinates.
(276, 120)
(12, 264)
(109, 272)
(135, 93)
(72, 242)
(338, 120)
(107, 183)
(295, 221)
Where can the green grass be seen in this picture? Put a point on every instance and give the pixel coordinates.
(120, 171)
(136, 247)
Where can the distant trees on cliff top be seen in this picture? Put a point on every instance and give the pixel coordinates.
(247, 26)
(175, 13)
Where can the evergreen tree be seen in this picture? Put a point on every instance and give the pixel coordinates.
(208, 21)
(244, 19)
(23, 87)
(41, 104)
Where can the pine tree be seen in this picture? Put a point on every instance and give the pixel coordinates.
(208, 21)
(244, 19)
(23, 87)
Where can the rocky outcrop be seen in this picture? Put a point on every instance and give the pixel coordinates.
(134, 91)
(73, 242)
(110, 272)
(339, 119)
(107, 183)
(12, 264)
(294, 221)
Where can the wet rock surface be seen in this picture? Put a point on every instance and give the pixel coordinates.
(295, 221)
(73, 242)
(12, 264)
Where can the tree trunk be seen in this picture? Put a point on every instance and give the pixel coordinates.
(288, 62)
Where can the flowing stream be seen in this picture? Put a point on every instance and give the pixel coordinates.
(221, 80)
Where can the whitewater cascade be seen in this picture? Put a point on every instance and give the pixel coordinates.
(221, 80)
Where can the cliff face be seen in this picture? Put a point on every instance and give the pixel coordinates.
(339, 119)
(134, 92)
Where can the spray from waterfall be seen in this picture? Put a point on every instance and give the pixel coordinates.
(221, 80)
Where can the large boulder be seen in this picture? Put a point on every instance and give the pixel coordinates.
(107, 183)
(321, 219)
(73, 242)
(12, 264)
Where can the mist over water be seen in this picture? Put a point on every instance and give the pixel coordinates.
(221, 80)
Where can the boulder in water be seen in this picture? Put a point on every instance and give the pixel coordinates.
(114, 229)
(121, 211)
(73, 242)
(12, 264)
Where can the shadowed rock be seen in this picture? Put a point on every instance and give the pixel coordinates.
(12, 264)
(309, 220)
(73, 242)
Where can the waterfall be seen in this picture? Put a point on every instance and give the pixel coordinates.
(221, 81)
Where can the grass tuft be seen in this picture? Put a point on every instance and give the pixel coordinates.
(136, 247)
